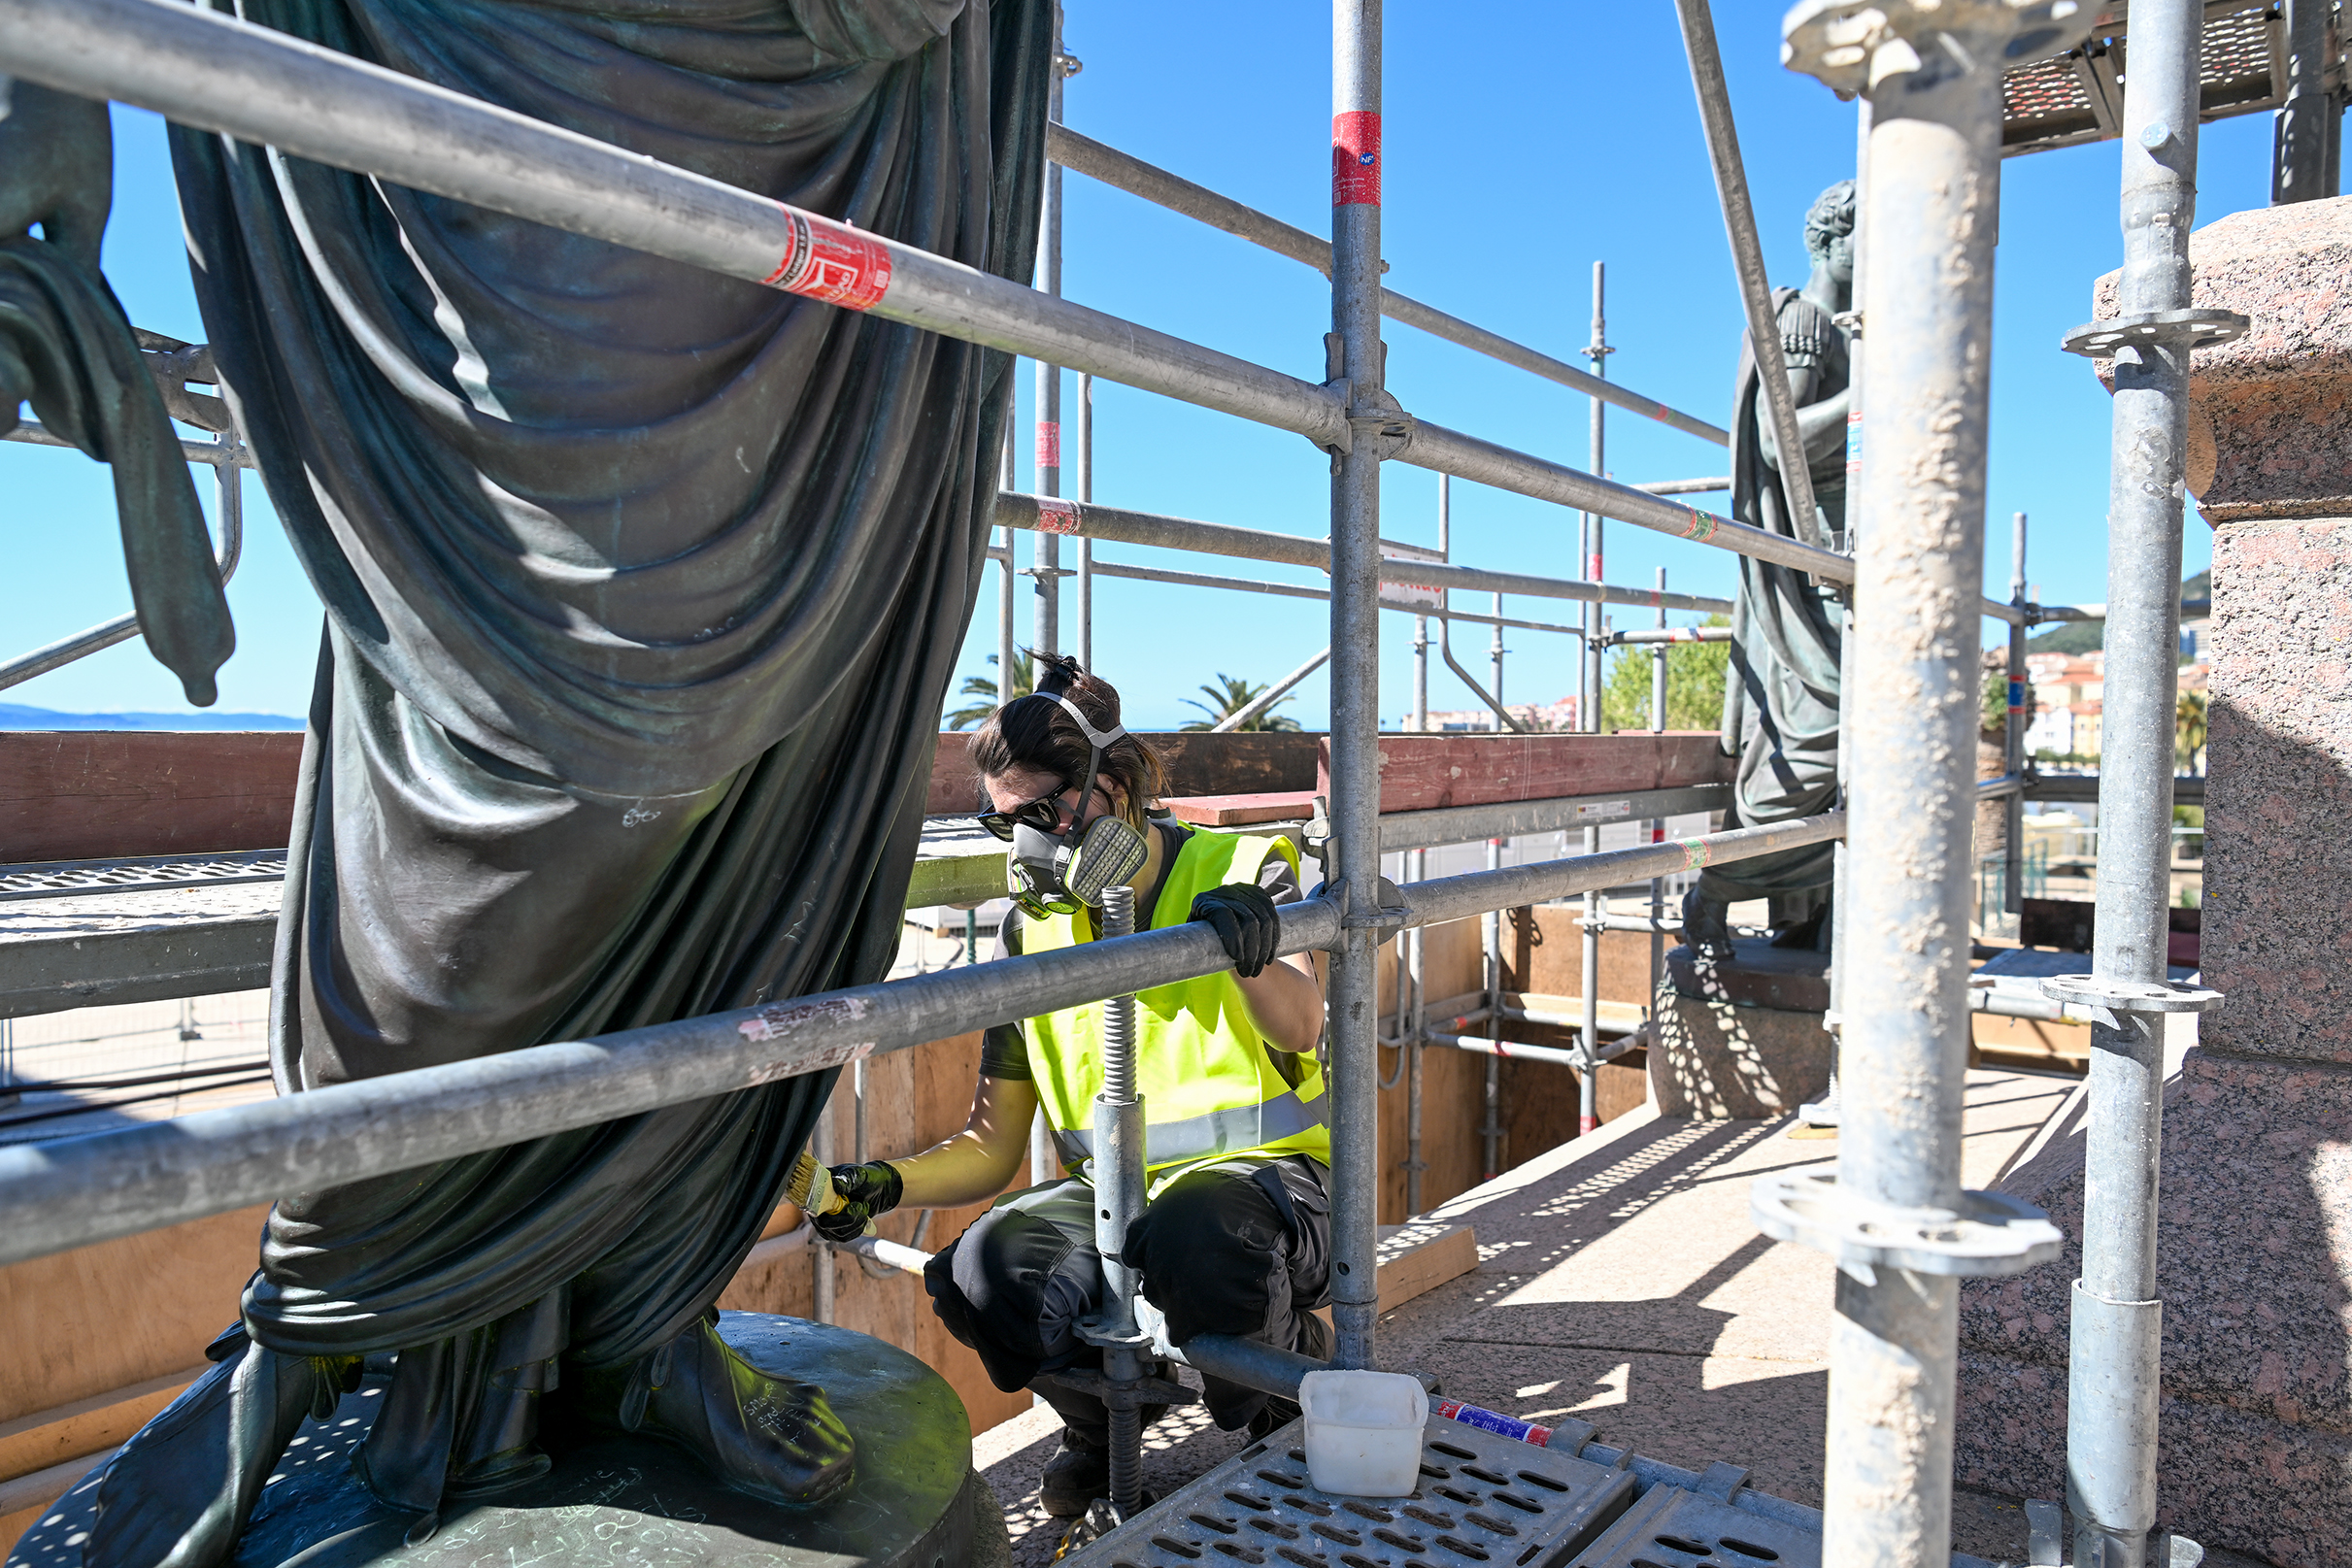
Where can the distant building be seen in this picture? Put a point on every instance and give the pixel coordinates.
(1554, 715)
(2069, 697)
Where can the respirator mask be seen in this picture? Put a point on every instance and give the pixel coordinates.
(1049, 873)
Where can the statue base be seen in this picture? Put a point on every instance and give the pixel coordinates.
(1739, 1037)
(914, 1502)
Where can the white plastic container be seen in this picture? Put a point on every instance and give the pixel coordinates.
(1364, 1431)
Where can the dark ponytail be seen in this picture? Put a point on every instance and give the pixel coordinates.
(1036, 732)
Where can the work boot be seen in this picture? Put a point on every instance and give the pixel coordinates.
(1076, 1476)
(767, 1436)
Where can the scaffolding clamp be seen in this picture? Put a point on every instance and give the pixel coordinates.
(1384, 428)
(1990, 1234)
(2188, 329)
(2110, 1002)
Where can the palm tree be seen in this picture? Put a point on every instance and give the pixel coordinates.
(2188, 727)
(980, 686)
(1230, 697)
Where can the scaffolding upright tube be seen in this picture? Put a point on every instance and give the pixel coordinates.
(1596, 903)
(1085, 487)
(1044, 560)
(1747, 260)
(1913, 710)
(1356, 157)
(2117, 1321)
(2013, 748)
(1658, 825)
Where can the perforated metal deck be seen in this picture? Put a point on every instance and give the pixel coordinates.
(145, 873)
(1483, 1499)
(1668, 1527)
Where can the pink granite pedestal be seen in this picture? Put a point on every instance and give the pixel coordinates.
(2256, 1205)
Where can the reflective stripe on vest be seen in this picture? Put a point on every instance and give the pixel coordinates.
(1219, 1132)
(1210, 1082)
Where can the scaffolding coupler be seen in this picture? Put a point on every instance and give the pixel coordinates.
(1990, 1234)
(2186, 329)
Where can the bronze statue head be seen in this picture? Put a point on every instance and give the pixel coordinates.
(1830, 230)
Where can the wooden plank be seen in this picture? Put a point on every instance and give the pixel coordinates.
(86, 1323)
(91, 795)
(1200, 762)
(1415, 1260)
(1240, 810)
(1432, 772)
(49, 1438)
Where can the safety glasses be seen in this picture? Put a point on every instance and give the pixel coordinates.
(1044, 813)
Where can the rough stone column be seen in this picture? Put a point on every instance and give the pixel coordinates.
(2256, 1201)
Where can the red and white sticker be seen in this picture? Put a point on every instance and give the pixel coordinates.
(1048, 444)
(1355, 159)
(832, 262)
(1055, 516)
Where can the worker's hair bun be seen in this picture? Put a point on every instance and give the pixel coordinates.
(1034, 732)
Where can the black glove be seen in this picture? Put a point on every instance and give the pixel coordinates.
(1242, 915)
(872, 1189)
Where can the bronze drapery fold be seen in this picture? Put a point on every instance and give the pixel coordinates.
(644, 589)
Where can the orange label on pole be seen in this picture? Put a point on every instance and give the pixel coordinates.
(1355, 159)
(832, 262)
(1048, 444)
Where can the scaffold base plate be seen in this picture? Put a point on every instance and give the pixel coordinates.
(1483, 1499)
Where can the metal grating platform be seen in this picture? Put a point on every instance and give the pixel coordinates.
(1668, 1527)
(1483, 1499)
(75, 878)
(2077, 96)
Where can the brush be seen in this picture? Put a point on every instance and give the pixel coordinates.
(811, 1187)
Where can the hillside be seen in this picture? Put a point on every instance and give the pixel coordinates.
(16, 717)
(2086, 636)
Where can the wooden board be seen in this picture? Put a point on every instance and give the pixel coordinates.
(1429, 772)
(93, 795)
(1240, 810)
(96, 794)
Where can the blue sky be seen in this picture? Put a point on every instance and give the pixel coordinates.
(1520, 147)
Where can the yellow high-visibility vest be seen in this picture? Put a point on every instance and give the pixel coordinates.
(1211, 1084)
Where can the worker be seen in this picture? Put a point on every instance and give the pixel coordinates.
(1236, 1235)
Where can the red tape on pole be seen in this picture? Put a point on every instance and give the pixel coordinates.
(832, 262)
(1355, 159)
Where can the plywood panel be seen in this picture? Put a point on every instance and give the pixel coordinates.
(88, 1322)
(91, 795)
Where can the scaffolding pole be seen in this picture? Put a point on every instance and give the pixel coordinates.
(2117, 1321)
(1595, 902)
(1086, 546)
(1045, 559)
(1933, 80)
(1747, 262)
(1156, 530)
(2013, 748)
(1354, 359)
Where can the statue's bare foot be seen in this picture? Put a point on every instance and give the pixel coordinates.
(177, 1494)
(768, 1436)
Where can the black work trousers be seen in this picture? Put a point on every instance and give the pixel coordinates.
(1234, 1247)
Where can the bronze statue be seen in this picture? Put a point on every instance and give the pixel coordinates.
(1780, 699)
(644, 589)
